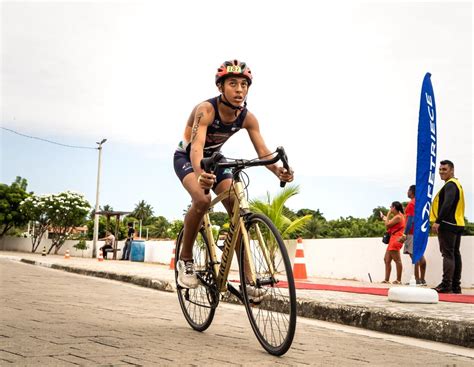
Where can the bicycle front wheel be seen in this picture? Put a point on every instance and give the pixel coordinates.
(199, 304)
(269, 292)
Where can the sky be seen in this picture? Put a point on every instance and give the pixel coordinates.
(337, 83)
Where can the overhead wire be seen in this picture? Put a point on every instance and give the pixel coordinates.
(46, 140)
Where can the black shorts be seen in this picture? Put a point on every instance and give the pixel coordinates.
(183, 167)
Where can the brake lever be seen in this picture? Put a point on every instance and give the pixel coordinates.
(284, 161)
(209, 164)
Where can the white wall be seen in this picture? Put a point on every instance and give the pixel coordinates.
(24, 245)
(354, 258)
(159, 251)
(345, 258)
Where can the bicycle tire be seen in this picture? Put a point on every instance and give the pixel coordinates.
(273, 315)
(199, 304)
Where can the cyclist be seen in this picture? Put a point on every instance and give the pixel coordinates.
(209, 126)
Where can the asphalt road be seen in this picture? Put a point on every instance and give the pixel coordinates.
(53, 318)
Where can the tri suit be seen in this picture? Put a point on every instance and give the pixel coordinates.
(217, 134)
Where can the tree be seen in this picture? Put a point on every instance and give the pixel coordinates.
(67, 210)
(102, 228)
(158, 227)
(142, 211)
(174, 228)
(35, 208)
(468, 228)
(219, 218)
(314, 228)
(375, 217)
(107, 208)
(21, 183)
(11, 198)
(316, 214)
(274, 209)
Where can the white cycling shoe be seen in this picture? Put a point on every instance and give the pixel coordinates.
(186, 275)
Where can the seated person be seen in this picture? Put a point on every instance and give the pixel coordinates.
(109, 243)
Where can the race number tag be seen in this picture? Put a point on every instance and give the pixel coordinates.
(234, 69)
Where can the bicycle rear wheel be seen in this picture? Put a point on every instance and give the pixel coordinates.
(269, 296)
(199, 304)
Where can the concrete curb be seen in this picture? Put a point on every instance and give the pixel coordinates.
(161, 285)
(406, 324)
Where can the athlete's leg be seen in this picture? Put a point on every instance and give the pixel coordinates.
(192, 221)
(222, 186)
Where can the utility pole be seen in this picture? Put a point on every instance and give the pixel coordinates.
(96, 216)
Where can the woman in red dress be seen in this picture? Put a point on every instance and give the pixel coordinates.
(395, 223)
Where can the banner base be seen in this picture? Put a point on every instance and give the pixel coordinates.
(412, 294)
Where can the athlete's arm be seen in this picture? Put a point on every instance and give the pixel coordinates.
(189, 125)
(253, 129)
(202, 119)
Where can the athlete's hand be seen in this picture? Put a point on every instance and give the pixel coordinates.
(435, 227)
(206, 180)
(284, 175)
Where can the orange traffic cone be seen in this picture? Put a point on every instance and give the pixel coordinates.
(299, 268)
(66, 255)
(172, 258)
(101, 257)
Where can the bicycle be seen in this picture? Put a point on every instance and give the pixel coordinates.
(267, 286)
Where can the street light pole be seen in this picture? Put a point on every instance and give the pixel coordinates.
(96, 216)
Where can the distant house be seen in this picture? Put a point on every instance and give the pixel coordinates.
(75, 230)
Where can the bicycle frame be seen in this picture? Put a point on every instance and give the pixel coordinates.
(263, 263)
(237, 230)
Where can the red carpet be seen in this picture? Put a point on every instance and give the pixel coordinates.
(460, 298)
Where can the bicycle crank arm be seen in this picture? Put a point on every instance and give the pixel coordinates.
(235, 292)
(186, 296)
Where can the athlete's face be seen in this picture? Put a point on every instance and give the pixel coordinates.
(446, 172)
(235, 89)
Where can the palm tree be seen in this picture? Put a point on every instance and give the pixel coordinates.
(274, 209)
(142, 211)
(107, 208)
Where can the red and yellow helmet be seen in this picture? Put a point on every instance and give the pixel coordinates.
(233, 67)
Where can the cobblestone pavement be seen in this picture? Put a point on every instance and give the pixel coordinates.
(442, 310)
(53, 318)
(444, 322)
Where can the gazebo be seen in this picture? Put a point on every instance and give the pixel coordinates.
(117, 214)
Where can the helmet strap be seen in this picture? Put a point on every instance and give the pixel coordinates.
(225, 102)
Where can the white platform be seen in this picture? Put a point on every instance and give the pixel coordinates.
(412, 294)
